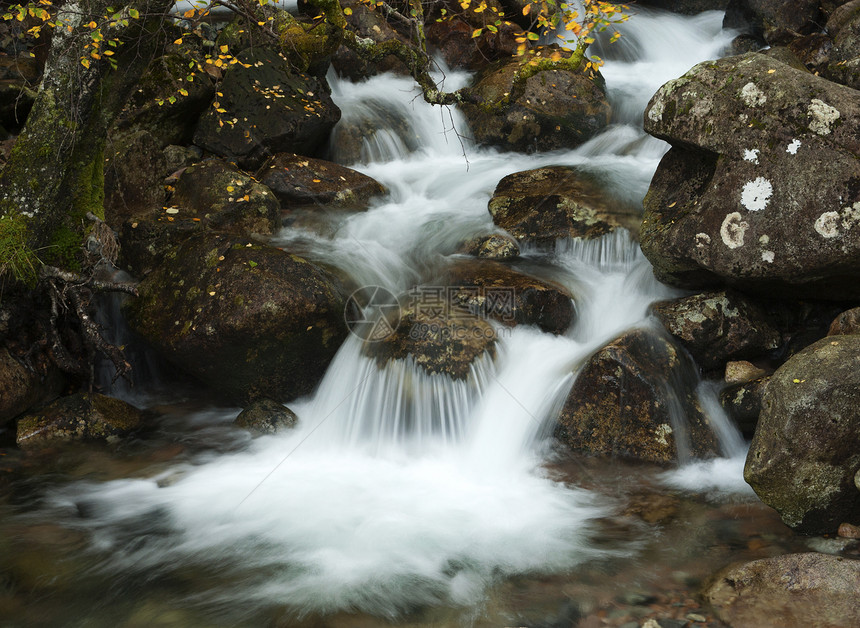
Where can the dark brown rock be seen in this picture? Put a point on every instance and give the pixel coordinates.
(303, 181)
(494, 290)
(22, 389)
(367, 23)
(496, 246)
(267, 109)
(79, 417)
(743, 403)
(685, 7)
(248, 319)
(764, 200)
(135, 169)
(718, 326)
(846, 323)
(777, 21)
(453, 40)
(630, 400)
(545, 204)
(843, 28)
(804, 455)
(792, 591)
(557, 109)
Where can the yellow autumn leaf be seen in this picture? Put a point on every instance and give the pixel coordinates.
(85, 63)
(347, 11)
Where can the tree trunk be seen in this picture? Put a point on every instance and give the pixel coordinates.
(55, 174)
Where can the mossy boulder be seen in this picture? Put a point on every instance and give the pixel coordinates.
(267, 108)
(716, 327)
(546, 204)
(768, 199)
(79, 417)
(135, 169)
(553, 108)
(804, 455)
(226, 198)
(493, 290)
(636, 398)
(366, 22)
(793, 590)
(266, 416)
(305, 182)
(247, 319)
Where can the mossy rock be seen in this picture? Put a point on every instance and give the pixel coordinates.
(266, 416)
(79, 417)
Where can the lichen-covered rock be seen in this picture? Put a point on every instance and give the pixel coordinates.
(558, 108)
(135, 169)
(265, 416)
(496, 246)
(494, 290)
(303, 181)
(718, 326)
(267, 109)
(792, 591)
(79, 417)
(368, 23)
(804, 455)
(743, 403)
(846, 323)
(768, 198)
(225, 198)
(742, 372)
(776, 21)
(249, 320)
(636, 398)
(443, 345)
(545, 204)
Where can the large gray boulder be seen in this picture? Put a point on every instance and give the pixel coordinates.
(805, 453)
(791, 591)
(248, 319)
(761, 188)
(636, 398)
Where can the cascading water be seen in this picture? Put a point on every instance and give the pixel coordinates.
(401, 489)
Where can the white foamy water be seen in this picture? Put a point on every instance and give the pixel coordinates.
(399, 488)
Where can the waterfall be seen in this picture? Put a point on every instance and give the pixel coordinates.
(398, 488)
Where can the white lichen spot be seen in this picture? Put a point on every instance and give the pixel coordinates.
(791, 149)
(851, 216)
(662, 431)
(752, 95)
(823, 116)
(827, 224)
(733, 229)
(702, 240)
(764, 239)
(756, 194)
(751, 155)
(767, 256)
(655, 113)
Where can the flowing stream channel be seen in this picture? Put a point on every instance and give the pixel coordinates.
(400, 496)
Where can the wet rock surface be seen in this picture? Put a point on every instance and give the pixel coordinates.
(743, 403)
(557, 109)
(79, 417)
(766, 199)
(804, 455)
(718, 326)
(545, 204)
(793, 590)
(267, 109)
(265, 416)
(22, 388)
(629, 399)
(248, 319)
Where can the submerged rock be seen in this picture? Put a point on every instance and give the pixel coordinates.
(267, 109)
(79, 417)
(768, 199)
(248, 319)
(557, 108)
(545, 204)
(266, 416)
(636, 398)
(718, 326)
(804, 455)
(793, 591)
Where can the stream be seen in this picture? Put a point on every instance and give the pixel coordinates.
(404, 498)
